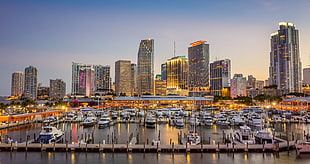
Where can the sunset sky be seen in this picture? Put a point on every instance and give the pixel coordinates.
(51, 34)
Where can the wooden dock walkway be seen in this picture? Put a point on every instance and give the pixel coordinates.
(283, 146)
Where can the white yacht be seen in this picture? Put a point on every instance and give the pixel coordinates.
(245, 135)
(150, 121)
(50, 134)
(104, 121)
(263, 137)
(179, 122)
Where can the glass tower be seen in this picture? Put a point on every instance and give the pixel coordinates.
(177, 75)
(285, 64)
(219, 76)
(102, 78)
(123, 77)
(198, 57)
(145, 67)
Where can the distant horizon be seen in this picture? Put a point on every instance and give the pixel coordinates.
(50, 35)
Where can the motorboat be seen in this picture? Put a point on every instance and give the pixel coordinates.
(179, 122)
(245, 135)
(193, 138)
(264, 137)
(50, 134)
(304, 145)
(150, 121)
(104, 121)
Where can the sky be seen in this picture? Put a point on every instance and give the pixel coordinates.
(51, 34)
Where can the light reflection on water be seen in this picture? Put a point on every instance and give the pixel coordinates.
(132, 158)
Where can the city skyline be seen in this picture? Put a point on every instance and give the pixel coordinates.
(91, 32)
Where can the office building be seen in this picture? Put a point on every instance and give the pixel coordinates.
(123, 79)
(220, 75)
(145, 67)
(102, 78)
(238, 86)
(82, 79)
(177, 76)
(198, 57)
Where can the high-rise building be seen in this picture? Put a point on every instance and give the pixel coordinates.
(31, 83)
(285, 64)
(163, 71)
(17, 87)
(133, 79)
(57, 89)
(198, 57)
(102, 78)
(251, 81)
(82, 79)
(238, 86)
(160, 85)
(145, 67)
(177, 75)
(220, 75)
(259, 84)
(123, 79)
(43, 92)
(306, 75)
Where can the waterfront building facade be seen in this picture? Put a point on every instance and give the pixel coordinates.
(31, 83)
(17, 86)
(43, 92)
(251, 81)
(220, 75)
(145, 67)
(160, 85)
(123, 79)
(238, 86)
(57, 89)
(285, 64)
(177, 76)
(82, 79)
(102, 77)
(198, 56)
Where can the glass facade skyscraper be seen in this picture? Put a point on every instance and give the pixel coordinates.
(82, 79)
(145, 67)
(285, 64)
(177, 75)
(123, 77)
(57, 89)
(198, 57)
(220, 75)
(31, 83)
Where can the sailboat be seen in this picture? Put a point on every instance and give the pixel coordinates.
(192, 136)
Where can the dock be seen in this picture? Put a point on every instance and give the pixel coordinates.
(202, 148)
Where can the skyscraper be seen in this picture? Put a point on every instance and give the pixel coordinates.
(102, 78)
(31, 83)
(17, 87)
(306, 75)
(177, 75)
(163, 71)
(285, 64)
(238, 86)
(82, 79)
(123, 80)
(198, 57)
(57, 89)
(219, 76)
(145, 67)
(133, 79)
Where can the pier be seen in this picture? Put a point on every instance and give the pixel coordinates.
(143, 148)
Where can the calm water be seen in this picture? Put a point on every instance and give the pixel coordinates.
(149, 158)
(123, 132)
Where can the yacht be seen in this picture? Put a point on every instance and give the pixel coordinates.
(104, 121)
(245, 135)
(179, 122)
(50, 134)
(150, 121)
(263, 137)
(304, 145)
